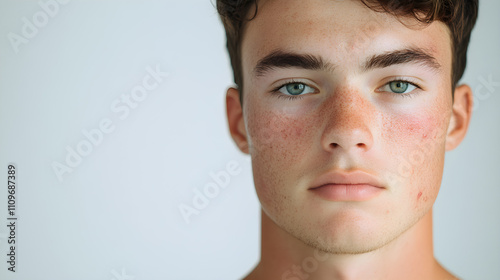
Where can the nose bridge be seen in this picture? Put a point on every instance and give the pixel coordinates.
(348, 116)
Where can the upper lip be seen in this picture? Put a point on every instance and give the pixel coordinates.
(346, 178)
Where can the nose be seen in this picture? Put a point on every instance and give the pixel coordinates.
(349, 118)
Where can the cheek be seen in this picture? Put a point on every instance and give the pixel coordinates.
(417, 144)
(279, 143)
(278, 135)
(405, 131)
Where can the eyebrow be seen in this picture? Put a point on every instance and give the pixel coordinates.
(407, 55)
(282, 59)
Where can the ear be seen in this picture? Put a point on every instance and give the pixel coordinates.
(235, 119)
(460, 118)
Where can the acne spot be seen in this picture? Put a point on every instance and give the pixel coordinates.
(419, 195)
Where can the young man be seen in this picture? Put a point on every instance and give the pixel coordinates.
(346, 108)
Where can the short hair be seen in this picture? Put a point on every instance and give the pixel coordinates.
(459, 15)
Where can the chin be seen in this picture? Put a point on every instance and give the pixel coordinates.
(342, 234)
(354, 238)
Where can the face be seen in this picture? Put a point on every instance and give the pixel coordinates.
(332, 89)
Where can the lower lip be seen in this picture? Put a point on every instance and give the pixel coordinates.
(356, 192)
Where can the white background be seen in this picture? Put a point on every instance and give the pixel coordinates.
(116, 215)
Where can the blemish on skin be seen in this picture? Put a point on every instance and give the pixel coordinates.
(419, 195)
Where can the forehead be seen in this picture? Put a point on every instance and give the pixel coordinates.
(344, 31)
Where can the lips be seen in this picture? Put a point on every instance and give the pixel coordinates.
(352, 186)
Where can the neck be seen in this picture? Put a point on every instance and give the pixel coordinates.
(410, 256)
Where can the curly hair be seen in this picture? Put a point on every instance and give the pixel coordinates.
(459, 15)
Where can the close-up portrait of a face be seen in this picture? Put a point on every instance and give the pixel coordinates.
(250, 139)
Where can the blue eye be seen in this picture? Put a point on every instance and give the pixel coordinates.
(295, 89)
(398, 87)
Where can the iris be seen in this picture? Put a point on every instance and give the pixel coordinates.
(398, 86)
(295, 89)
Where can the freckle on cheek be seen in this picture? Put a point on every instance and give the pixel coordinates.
(410, 129)
(414, 125)
(419, 195)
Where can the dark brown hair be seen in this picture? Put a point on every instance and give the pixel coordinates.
(459, 15)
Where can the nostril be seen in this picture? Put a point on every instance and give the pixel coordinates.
(334, 145)
(360, 145)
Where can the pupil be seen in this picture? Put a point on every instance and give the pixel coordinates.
(295, 89)
(399, 87)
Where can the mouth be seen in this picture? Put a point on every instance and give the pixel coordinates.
(352, 186)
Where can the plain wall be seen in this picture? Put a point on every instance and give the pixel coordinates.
(115, 212)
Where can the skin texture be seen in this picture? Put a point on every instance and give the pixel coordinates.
(348, 120)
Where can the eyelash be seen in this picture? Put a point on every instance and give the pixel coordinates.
(276, 91)
(278, 94)
(405, 80)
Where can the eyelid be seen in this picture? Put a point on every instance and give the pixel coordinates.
(410, 80)
(285, 82)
